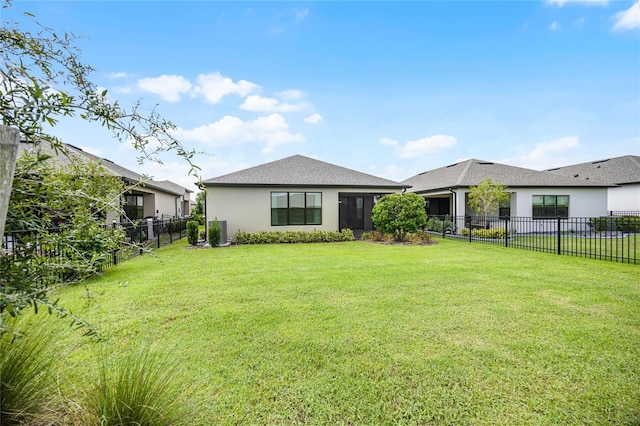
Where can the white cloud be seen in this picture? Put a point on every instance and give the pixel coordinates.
(593, 2)
(554, 26)
(290, 95)
(389, 141)
(547, 154)
(424, 146)
(258, 103)
(215, 86)
(168, 87)
(314, 118)
(117, 75)
(271, 130)
(628, 19)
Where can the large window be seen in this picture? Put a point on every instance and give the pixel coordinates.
(133, 207)
(296, 208)
(548, 206)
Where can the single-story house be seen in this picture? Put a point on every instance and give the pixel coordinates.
(537, 194)
(623, 172)
(295, 193)
(146, 197)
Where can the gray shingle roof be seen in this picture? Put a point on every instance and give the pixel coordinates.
(112, 168)
(618, 170)
(299, 170)
(472, 172)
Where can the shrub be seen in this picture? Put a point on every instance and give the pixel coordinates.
(399, 214)
(25, 366)
(138, 389)
(493, 233)
(202, 235)
(628, 224)
(214, 233)
(600, 224)
(192, 232)
(434, 224)
(377, 236)
(275, 237)
(419, 237)
(365, 236)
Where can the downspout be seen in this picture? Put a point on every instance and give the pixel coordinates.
(176, 204)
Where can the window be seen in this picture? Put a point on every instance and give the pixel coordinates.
(296, 208)
(133, 207)
(550, 206)
(504, 209)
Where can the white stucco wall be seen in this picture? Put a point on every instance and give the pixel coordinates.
(249, 208)
(625, 198)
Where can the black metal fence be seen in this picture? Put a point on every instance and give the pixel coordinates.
(141, 235)
(613, 238)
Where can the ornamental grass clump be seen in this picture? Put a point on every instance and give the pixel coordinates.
(138, 389)
(26, 360)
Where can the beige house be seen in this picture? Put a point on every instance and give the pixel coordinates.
(147, 197)
(295, 193)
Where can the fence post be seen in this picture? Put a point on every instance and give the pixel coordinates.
(444, 231)
(506, 231)
(158, 229)
(559, 237)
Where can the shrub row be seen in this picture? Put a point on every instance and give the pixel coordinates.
(493, 233)
(418, 237)
(276, 237)
(622, 224)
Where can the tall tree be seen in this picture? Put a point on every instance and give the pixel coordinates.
(485, 198)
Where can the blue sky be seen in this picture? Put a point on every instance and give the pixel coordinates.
(387, 88)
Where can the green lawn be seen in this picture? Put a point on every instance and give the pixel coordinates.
(363, 333)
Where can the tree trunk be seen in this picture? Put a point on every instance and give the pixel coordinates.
(9, 142)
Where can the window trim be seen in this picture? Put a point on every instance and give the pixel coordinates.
(305, 210)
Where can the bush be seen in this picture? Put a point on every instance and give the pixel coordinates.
(214, 233)
(275, 237)
(399, 214)
(434, 224)
(628, 224)
(138, 389)
(25, 369)
(192, 232)
(493, 233)
(419, 237)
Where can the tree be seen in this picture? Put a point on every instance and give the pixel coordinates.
(198, 209)
(399, 214)
(62, 209)
(43, 80)
(487, 196)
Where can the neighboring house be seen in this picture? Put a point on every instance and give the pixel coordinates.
(295, 193)
(624, 172)
(146, 198)
(541, 195)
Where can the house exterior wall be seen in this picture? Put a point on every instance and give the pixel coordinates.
(624, 198)
(248, 209)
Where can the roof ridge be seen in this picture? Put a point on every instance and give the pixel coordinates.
(465, 171)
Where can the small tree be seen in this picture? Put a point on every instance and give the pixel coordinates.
(399, 214)
(198, 209)
(214, 233)
(192, 232)
(487, 196)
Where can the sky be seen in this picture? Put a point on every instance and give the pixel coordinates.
(386, 88)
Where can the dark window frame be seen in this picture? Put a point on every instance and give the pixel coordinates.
(296, 215)
(548, 208)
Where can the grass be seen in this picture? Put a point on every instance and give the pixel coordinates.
(363, 333)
